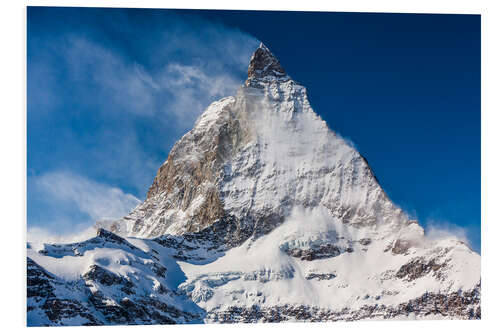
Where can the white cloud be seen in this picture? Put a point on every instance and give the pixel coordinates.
(44, 235)
(192, 89)
(98, 201)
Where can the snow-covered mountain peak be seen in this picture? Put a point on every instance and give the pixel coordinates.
(264, 67)
(251, 159)
(260, 213)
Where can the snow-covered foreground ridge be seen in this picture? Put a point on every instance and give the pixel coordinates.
(260, 213)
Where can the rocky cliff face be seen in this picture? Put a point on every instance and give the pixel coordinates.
(259, 213)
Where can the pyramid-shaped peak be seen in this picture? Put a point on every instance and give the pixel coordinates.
(264, 65)
(264, 49)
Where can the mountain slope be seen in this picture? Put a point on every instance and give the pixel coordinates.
(106, 280)
(271, 216)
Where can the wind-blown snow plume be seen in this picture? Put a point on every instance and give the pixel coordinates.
(444, 230)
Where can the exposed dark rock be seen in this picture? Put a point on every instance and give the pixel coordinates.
(401, 246)
(320, 252)
(263, 64)
(112, 237)
(38, 280)
(320, 276)
(159, 270)
(103, 276)
(365, 241)
(419, 267)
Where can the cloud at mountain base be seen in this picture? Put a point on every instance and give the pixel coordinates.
(72, 204)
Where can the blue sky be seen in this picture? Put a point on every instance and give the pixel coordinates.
(111, 90)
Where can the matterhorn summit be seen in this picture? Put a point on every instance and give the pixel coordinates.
(260, 213)
(264, 67)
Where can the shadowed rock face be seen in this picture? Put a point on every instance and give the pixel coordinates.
(418, 267)
(192, 184)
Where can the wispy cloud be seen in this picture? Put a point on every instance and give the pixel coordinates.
(177, 92)
(212, 60)
(69, 205)
(45, 235)
(97, 200)
(192, 89)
